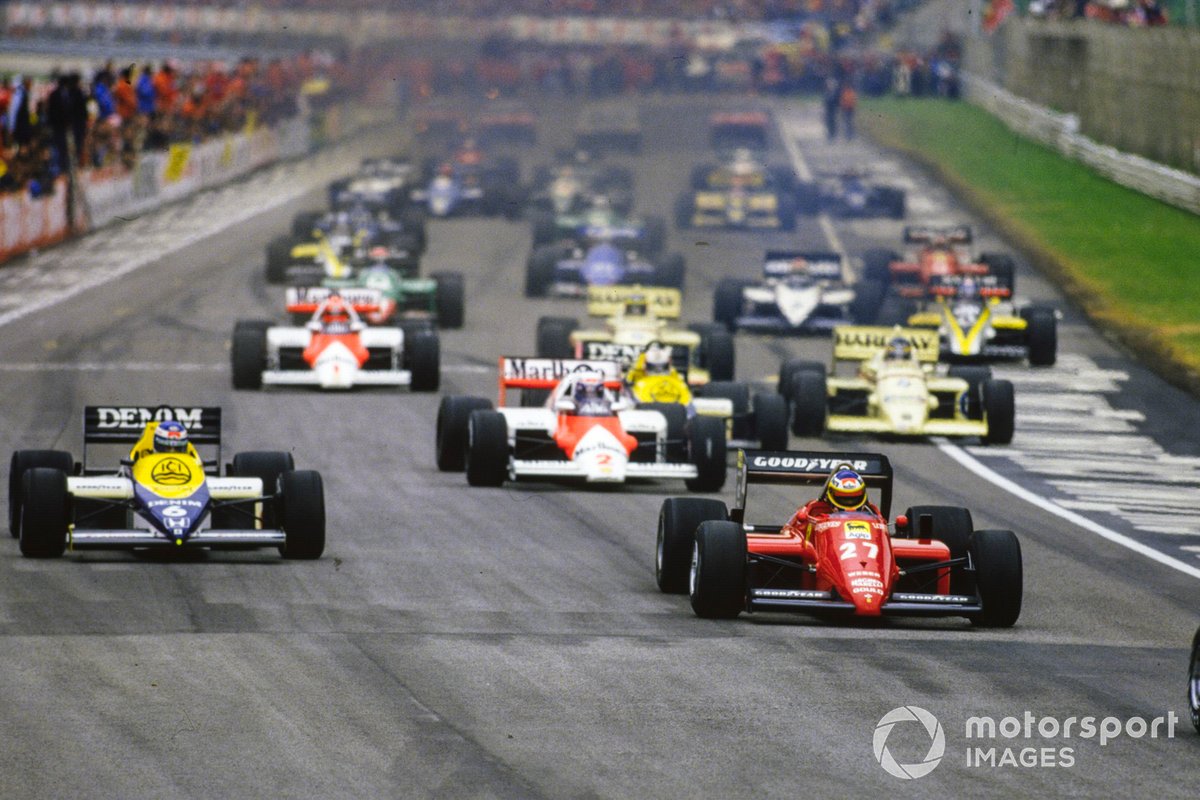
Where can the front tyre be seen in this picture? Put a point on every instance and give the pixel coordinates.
(999, 577)
(22, 462)
(487, 448)
(706, 442)
(301, 507)
(453, 414)
(717, 581)
(422, 358)
(677, 523)
(45, 513)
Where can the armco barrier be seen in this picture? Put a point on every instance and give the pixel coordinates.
(27, 223)
(1061, 131)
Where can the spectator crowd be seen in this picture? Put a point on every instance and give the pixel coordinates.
(48, 127)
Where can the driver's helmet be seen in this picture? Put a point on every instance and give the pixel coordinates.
(445, 171)
(591, 398)
(335, 316)
(845, 489)
(898, 349)
(600, 203)
(170, 437)
(969, 288)
(658, 359)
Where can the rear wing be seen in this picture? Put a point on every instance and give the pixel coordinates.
(861, 342)
(661, 302)
(731, 118)
(820, 264)
(985, 285)
(627, 354)
(809, 468)
(125, 424)
(306, 299)
(924, 234)
(546, 373)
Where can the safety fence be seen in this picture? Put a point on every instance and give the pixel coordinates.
(1061, 132)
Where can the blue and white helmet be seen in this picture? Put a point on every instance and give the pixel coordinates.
(170, 437)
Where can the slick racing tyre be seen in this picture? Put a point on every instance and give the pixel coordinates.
(539, 271)
(999, 412)
(976, 377)
(248, 354)
(450, 299)
(998, 576)
(422, 358)
(717, 351)
(727, 301)
(45, 515)
(301, 508)
(487, 448)
(676, 448)
(877, 265)
(554, 337)
(867, 302)
(1194, 682)
(267, 466)
(952, 526)
(1041, 335)
(810, 402)
(453, 414)
(789, 368)
(670, 271)
(23, 461)
(717, 579)
(771, 421)
(677, 523)
(706, 449)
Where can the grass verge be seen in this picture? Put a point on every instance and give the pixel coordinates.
(1131, 262)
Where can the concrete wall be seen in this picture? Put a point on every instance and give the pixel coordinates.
(1135, 89)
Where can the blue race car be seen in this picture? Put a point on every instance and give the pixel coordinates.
(568, 270)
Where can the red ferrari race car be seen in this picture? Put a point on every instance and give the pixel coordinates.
(837, 555)
(942, 252)
(576, 421)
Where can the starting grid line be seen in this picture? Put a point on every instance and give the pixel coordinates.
(1068, 435)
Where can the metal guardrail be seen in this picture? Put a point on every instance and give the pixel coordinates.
(1061, 131)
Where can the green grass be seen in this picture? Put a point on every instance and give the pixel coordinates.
(1131, 261)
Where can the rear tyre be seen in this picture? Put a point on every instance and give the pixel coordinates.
(279, 255)
(867, 302)
(267, 466)
(1194, 682)
(23, 461)
(677, 523)
(1002, 266)
(1041, 336)
(554, 337)
(877, 265)
(450, 297)
(718, 354)
(952, 526)
(452, 418)
(487, 448)
(706, 445)
(771, 421)
(727, 301)
(654, 237)
(248, 354)
(670, 272)
(999, 411)
(786, 211)
(539, 271)
(717, 580)
(792, 366)
(301, 509)
(304, 222)
(976, 377)
(45, 513)
(999, 577)
(685, 208)
(422, 358)
(809, 403)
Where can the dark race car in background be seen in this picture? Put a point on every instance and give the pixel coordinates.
(568, 270)
(849, 194)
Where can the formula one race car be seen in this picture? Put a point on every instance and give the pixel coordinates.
(849, 194)
(335, 350)
(601, 221)
(379, 184)
(609, 128)
(330, 245)
(163, 495)
(742, 193)
(568, 270)
(589, 429)
(1194, 682)
(829, 561)
(455, 190)
(438, 300)
(635, 316)
(896, 390)
(977, 321)
(575, 189)
(800, 292)
(440, 120)
(508, 122)
(729, 129)
(942, 252)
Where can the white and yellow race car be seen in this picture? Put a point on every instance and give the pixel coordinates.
(896, 389)
(158, 499)
(635, 316)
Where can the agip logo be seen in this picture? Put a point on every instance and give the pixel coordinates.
(899, 721)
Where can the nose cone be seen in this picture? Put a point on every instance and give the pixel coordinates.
(864, 588)
(336, 367)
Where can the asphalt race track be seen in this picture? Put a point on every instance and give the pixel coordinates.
(457, 642)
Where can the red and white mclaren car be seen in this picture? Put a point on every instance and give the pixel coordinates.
(335, 349)
(576, 420)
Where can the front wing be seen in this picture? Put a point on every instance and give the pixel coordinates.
(815, 601)
(845, 423)
(303, 377)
